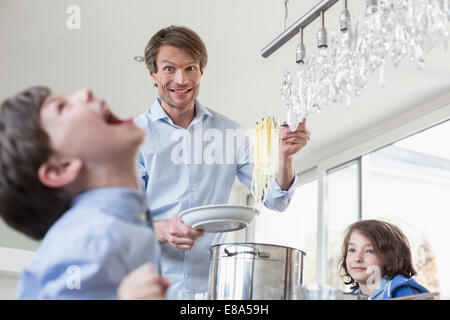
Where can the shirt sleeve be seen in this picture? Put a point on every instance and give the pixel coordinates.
(142, 171)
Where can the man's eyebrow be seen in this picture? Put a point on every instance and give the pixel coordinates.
(170, 62)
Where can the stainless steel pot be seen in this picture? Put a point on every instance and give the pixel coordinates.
(254, 271)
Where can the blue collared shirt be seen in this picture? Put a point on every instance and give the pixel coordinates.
(186, 168)
(379, 292)
(92, 247)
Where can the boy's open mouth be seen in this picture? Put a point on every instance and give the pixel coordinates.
(111, 119)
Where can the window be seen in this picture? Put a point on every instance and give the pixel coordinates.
(343, 210)
(408, 184)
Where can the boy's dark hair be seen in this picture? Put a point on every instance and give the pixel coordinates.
(25, 203)
(390, 245)
(181, 37)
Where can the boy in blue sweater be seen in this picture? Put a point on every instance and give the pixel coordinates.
(377, 262)
(68, 178)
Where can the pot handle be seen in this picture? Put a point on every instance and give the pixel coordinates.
(251, 250)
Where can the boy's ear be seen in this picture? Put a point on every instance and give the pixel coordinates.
(59, 172)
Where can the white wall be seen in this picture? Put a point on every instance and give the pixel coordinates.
(8, 287)
(12, 262)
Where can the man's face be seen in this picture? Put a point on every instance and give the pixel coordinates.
(178, 77)
(82, 126)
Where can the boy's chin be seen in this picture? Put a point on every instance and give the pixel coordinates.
(360, 280)
(133, 141)
(136, 138)
(141, 137)
(124, 153)
(130, 150)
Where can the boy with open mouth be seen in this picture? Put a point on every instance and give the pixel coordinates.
(68, 177)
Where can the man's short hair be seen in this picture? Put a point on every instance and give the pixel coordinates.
(180, 37)
(25, 203)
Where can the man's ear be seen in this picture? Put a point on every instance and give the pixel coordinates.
(153, 75)
(58, 172)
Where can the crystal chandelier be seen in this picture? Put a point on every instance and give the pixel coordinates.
(391, 31)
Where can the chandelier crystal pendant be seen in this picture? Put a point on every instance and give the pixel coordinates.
(391, 31)
(344, 18)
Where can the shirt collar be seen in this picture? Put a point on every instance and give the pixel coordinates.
(376, 293)
(380, 289)
(200, 111)
(124, 203)
(157, 112)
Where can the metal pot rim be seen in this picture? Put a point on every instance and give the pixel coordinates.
(257, 244)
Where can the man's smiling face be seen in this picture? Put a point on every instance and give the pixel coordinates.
(178, 77)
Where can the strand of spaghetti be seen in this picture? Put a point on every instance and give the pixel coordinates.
(263, 170)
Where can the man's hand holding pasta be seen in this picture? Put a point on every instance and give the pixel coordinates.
(293, 142)
(290, 144)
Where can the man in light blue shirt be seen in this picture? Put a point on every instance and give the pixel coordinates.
(191, 157)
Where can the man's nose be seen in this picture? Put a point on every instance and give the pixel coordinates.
(180, 77)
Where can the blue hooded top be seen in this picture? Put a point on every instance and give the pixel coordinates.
(399, 286)
(402, 286)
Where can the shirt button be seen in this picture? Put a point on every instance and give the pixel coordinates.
(192, 190)
(143, 217)
(186, 276)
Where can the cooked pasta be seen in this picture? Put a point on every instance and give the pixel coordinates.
(266, 145)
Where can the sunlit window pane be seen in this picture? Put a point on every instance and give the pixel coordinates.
(342, 211)
(408, 184)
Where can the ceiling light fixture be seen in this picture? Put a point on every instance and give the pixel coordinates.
(391, 30)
